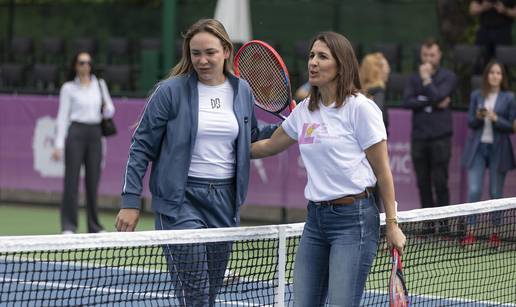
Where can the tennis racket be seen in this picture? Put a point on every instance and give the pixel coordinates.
(398, 294)
(263, 68)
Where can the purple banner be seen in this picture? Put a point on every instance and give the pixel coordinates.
(27, 130)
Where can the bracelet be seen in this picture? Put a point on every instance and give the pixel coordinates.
(391, 220)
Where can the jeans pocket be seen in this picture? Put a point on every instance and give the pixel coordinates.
(346, 210)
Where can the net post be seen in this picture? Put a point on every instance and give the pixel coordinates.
(282, 264)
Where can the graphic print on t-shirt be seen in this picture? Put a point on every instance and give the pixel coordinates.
(215, 103)
(307, 135)
(314, 133)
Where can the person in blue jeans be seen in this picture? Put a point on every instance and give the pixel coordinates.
(491, 112)
(196, 129)
(342, 140)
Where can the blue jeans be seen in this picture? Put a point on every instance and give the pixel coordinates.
(197, 270)
(335, 254)
(483, 159)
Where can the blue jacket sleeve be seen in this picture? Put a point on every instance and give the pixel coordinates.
(145, 145)
(474, 101)
(504, 124)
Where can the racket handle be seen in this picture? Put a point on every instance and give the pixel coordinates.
(396, 257)
(292, 105)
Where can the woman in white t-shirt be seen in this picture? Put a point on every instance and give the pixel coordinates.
(342, 141)
(488, 145)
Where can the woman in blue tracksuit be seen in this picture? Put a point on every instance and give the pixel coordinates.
(196, 129)
(488, 146)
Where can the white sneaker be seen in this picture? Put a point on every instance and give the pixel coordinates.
(67, 232)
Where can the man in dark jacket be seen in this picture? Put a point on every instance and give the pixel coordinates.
(428, 94)
(496, 18)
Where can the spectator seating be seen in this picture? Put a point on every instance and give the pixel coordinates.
(476, 82)
(118, 51)
(150, 43)
(467, 55)
(392, 52)
(28, 65)
(12, 75)
(359, 52)
(301, 51)
(52, 50)
(467, 60)
(395, 87)
(21, 50)
(507, 56)
(45, 77)
(2, 50)
(84, 44)
(118, 77)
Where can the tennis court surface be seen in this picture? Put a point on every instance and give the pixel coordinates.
(131, 269)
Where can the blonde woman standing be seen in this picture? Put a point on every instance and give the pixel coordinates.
(374, 73)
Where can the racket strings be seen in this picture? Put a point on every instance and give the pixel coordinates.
(266, 77)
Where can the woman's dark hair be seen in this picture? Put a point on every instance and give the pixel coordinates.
(486, 87)
(71, 70)
(348, 81)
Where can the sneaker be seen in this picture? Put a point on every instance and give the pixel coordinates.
(494, 240)
(468, 240)
(67, 232)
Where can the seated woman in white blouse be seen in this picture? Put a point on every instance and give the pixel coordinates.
(79, 138)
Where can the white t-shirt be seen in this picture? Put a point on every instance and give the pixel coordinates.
(487, 133)
(332, 143)
(214, 151)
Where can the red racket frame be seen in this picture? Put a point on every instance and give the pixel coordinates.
(280, 61)
(397, 271)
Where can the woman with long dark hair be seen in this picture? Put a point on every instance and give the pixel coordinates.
(342, 141)
(488, 146)
(79, 139)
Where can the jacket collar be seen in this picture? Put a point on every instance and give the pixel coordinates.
(193, 79)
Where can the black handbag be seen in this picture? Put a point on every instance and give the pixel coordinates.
(107, 125)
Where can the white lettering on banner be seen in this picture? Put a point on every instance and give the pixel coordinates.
(401, 162)
(42, 148)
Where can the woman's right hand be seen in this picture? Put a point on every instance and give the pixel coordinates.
(395, 237)
(127, 219)
(57, 154)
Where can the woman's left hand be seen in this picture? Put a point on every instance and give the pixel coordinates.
(395, 237)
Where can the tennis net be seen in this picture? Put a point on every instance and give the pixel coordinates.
(253, 266)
